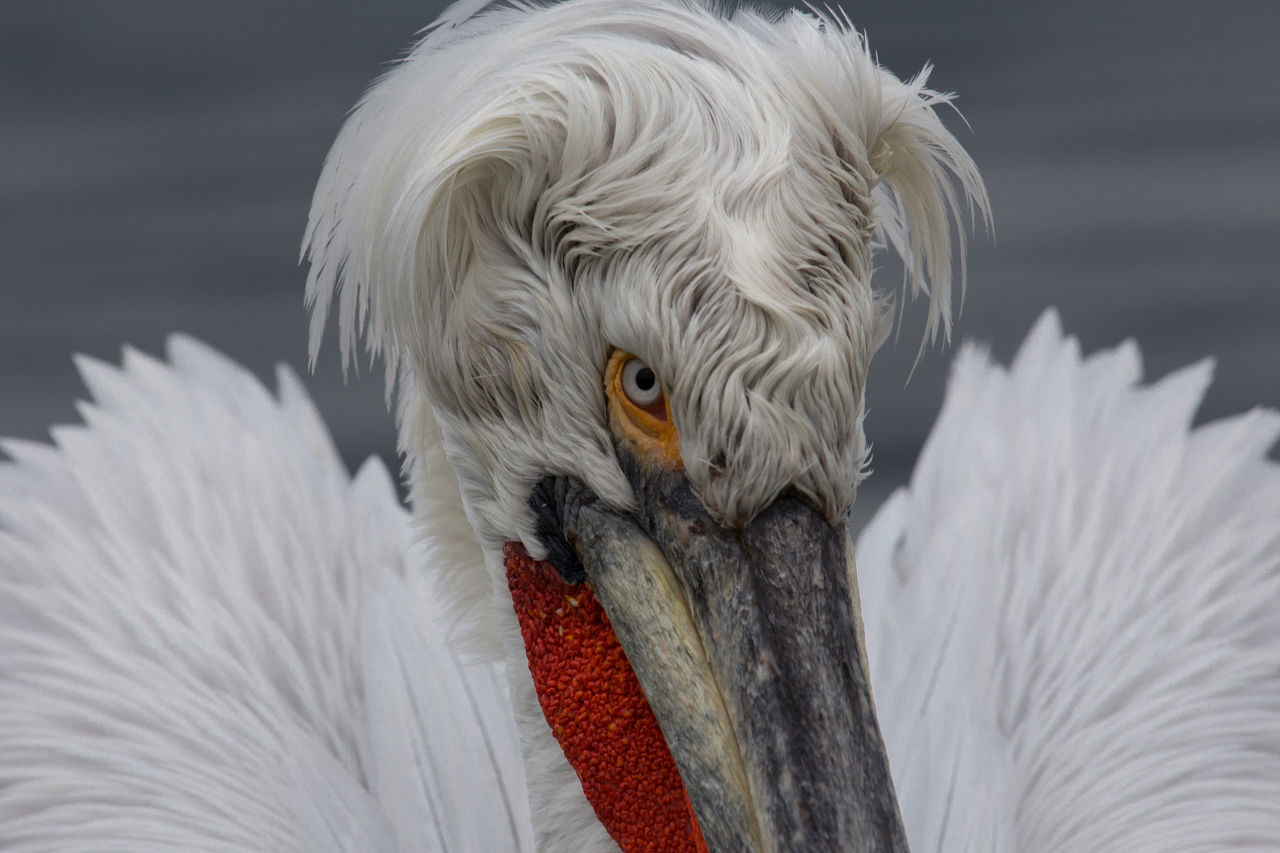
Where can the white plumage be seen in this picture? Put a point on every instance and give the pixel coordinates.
(1074, 612)
(212, 638)
(533, 186)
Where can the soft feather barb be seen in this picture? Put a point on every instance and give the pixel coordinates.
(1074, 613)
(919, 175)
(211, 637)
(533, 185)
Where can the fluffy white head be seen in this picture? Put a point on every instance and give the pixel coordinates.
(533, 186)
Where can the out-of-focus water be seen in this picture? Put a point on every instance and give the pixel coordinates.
(157, 159)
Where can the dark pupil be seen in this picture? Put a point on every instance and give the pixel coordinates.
(645, 379)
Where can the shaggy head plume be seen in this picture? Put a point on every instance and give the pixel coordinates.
(532, 187)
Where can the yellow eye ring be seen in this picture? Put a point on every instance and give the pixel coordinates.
(639, 414)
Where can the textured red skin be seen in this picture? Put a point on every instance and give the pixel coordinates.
(593, 703)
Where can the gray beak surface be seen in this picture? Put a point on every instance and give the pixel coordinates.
(748, 645)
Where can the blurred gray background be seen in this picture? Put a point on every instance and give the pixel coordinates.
(157, 160)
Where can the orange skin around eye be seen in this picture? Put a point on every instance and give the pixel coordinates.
(648, 429)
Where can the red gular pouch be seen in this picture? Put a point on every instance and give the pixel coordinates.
(593, 702)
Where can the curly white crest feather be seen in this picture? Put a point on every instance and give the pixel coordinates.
(209, 636)
(533, 186)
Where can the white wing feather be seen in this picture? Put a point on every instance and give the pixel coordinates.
(1073, 613)
(211, 639)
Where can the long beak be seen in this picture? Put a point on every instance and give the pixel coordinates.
(748, 646)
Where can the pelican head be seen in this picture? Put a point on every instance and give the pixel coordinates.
(617, 256)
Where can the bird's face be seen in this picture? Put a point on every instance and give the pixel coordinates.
(745, 641)
(720, 365)
(620, 253)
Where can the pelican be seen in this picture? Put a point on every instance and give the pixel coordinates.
(617, 259)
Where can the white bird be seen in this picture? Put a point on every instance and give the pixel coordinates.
(617, 257)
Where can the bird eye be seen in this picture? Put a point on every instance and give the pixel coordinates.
(641, 384)
(638, 410)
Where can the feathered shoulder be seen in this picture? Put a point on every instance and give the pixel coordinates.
(1074, 612)
(210, 636)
